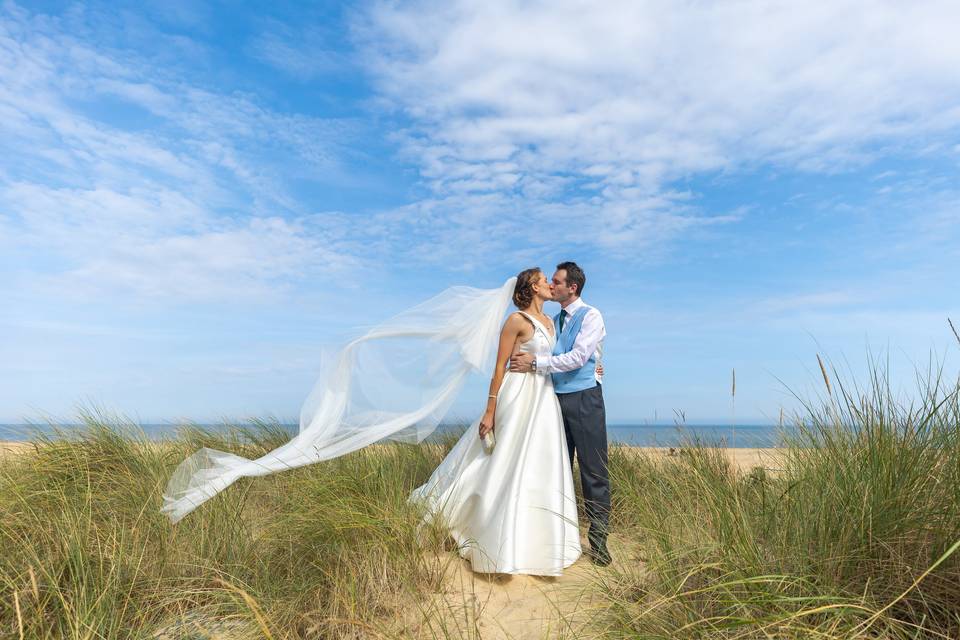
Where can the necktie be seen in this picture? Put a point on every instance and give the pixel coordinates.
(563, 318)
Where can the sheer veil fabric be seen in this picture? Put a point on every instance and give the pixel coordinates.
(397, 381)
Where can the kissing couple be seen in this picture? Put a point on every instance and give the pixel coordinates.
(505, 491)
(513, 509)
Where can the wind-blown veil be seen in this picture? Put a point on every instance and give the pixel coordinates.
(396, 382)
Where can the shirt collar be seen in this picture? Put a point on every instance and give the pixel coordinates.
(573, 306)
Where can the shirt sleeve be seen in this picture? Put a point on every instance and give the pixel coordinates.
(591, 334)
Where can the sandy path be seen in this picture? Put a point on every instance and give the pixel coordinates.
(498, 607)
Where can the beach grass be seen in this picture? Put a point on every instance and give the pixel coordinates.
(854, 534)
(851, 533)
(329, 550)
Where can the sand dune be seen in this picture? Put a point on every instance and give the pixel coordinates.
(9, 448)
(500, 606)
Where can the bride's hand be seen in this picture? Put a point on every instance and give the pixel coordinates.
(486, 424)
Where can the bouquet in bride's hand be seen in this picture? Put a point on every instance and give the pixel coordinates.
(489, 440)
(486, 432)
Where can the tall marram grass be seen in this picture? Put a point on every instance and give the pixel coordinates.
(851, 533)
(329, 550)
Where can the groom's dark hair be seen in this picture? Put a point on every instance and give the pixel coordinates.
(575, 275)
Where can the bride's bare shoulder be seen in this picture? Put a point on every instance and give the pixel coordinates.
(515, 322)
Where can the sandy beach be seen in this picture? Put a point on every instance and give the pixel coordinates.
(9, 448)
(743, 459)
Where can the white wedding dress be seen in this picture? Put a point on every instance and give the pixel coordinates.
(512, 510)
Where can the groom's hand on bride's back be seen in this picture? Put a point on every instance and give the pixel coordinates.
(521, 362)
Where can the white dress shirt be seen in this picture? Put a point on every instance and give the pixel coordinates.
(587, 342)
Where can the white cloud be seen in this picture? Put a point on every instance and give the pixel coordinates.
(187, 200)
(157, 243)
(596, 109)
(535, 129)
(303, 53)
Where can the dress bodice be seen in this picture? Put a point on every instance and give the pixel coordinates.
(542, 342)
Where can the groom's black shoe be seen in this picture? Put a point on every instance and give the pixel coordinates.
(597, 536)
(599, 555)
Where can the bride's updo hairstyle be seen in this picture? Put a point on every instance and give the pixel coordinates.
(523, 292)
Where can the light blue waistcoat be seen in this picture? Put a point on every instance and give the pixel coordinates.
(585, 376)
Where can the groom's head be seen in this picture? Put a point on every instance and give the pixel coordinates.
(568, 282)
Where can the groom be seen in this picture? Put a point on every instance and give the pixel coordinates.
(573, 365)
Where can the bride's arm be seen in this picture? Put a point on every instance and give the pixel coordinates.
(508, 338)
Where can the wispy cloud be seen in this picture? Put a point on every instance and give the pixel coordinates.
(595, 112)
(131, 178)
(533, 130)
(304, 52)
(736, 177)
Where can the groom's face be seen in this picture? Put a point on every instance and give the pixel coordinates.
(561, 292)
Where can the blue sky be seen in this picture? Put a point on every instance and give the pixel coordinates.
(196, 200)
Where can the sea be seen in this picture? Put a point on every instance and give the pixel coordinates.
(641, 435)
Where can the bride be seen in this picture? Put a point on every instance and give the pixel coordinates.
(512, 510)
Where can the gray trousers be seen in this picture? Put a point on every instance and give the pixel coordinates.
(585, 423)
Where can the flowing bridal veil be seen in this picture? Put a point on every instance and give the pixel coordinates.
(396, 382)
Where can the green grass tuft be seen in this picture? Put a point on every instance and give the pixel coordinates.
(854, 534)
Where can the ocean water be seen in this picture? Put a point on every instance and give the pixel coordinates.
(647, 435)
(734, 436)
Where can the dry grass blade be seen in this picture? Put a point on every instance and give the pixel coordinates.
(826, 378)
(33, 583)
(16, 604)
(251, 605)
(954, 329)
(359, 624)
(949, 552)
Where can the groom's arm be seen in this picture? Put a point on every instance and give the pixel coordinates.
(588, 339)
